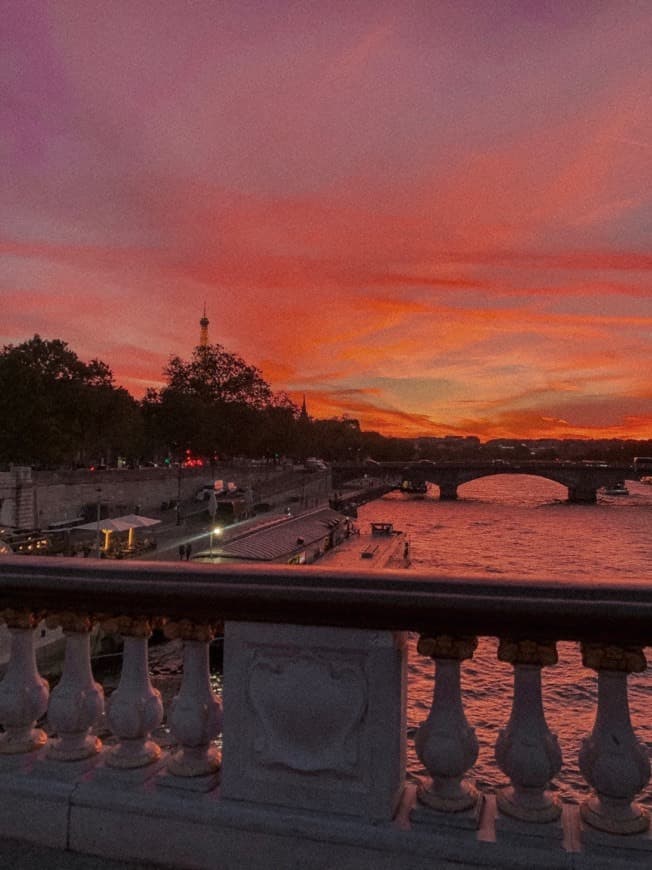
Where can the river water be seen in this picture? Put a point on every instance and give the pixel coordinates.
(522, 526)
(516, 526)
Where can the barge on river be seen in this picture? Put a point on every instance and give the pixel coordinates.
(295, 540)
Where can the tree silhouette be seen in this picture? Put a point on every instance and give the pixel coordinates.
(57, 409)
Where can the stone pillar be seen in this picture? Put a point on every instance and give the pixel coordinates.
(446, 744)
(612, 760)
(135, 708)
(77, 701)
(195, 716)
(314, 719)
(582, 493)
(526, 750)
(448, 491)
(23, 692)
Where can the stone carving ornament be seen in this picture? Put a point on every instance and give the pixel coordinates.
(308, 710)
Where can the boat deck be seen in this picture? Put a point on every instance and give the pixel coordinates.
(369, 551)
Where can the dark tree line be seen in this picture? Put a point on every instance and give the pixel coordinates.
(58, 411)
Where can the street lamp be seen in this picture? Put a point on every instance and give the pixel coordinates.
(214, 531)
(179, 494)
(212, 510)
(97, 530)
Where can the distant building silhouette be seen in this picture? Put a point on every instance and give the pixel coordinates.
(203, 329)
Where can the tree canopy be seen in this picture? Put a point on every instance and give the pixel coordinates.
(216, 376)
(56, 409)
(216, 403)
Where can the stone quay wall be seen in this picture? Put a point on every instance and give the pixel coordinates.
(35, 499)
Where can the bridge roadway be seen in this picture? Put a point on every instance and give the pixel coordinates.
(582, 479)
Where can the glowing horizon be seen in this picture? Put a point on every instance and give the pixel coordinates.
(433, 218)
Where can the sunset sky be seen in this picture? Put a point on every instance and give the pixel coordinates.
(435, 217)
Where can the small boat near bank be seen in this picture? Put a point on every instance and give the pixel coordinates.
(413, 488)
(617, 489)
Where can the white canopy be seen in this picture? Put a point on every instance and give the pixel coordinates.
(127, 523)
(120, 524)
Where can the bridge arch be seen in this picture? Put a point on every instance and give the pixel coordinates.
(537, 488)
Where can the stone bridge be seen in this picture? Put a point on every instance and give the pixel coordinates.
(582, 479)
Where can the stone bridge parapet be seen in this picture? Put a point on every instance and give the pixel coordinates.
(310, 771)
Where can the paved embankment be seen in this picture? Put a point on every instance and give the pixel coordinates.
(195, 531)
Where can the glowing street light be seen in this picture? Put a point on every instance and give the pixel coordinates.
(215, 531)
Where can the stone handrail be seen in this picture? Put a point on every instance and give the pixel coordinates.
(619, 610)
(312, 767)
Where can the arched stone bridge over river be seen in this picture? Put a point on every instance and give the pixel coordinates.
(582, 479)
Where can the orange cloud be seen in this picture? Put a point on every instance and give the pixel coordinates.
(403, 228)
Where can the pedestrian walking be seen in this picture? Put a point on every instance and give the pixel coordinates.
(188, 551)
(182, 551)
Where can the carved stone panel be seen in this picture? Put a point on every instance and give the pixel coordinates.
(308, 734)
(314, 718)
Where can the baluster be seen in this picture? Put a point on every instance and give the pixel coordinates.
(612, 760)
(23, 692)
(195, 716)
(526, 750)
(445, 742)
(77, 701)
(135, 709)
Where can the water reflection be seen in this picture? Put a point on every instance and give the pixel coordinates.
(522, 526)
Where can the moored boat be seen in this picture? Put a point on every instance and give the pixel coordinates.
(382, 546)
(617, 489)
(300, 539)
(413, 488)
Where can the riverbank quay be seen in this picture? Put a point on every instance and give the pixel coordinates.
(195, 531)
(310, 769)
(31, 499)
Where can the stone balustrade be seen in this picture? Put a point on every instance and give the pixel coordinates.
(310, 768)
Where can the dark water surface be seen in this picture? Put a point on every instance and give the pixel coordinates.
(522, 526)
